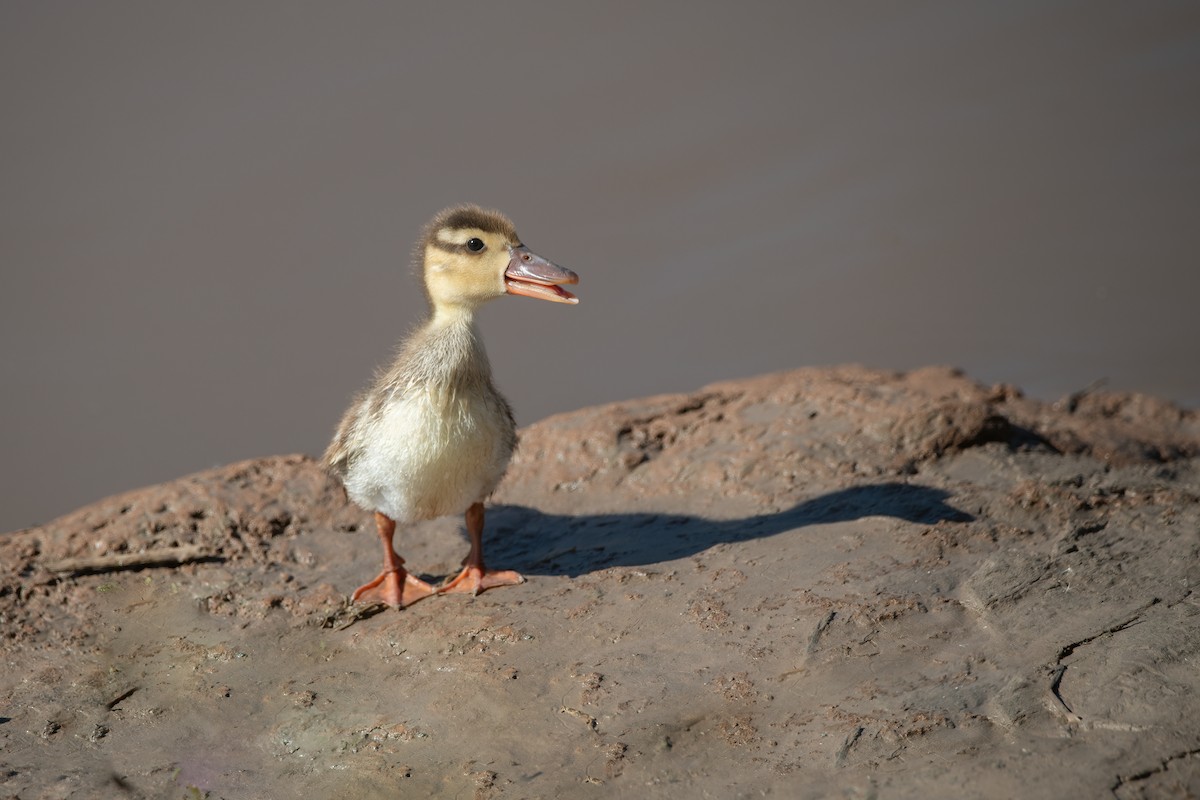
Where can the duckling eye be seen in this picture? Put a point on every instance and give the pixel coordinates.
(475, 245)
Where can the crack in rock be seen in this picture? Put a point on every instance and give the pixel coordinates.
(1162, 766)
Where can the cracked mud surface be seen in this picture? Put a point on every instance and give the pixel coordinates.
(823, 583)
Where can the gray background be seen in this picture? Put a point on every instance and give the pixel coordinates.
(208, 208)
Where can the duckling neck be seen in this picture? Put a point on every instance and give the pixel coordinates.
(447, 351)
(447, 315)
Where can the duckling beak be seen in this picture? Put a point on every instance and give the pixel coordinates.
(533, 276)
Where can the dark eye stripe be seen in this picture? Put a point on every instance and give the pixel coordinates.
(448, 247)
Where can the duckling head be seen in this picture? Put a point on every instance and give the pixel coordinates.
(472, 255)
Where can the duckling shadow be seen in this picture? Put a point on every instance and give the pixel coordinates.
(535, 543)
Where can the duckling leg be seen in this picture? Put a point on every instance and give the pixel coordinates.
(394, 585)
(475, 577)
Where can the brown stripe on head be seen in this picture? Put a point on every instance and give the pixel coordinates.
(467, 217)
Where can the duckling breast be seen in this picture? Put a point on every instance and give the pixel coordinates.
(432, 452)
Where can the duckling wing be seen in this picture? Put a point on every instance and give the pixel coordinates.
(346, 442)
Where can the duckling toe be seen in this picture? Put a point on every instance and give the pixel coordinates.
(396, 587)
(473, 580)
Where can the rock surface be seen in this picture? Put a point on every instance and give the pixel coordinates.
(821, 583)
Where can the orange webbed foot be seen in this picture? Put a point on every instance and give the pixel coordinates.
(473, 580)
(396, 587)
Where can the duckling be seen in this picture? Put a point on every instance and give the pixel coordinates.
(433, 436)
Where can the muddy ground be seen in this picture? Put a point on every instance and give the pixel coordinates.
(822, 583)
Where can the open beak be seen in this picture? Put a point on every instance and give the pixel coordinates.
(533, 276)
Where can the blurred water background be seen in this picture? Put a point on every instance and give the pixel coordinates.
(208, 208)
